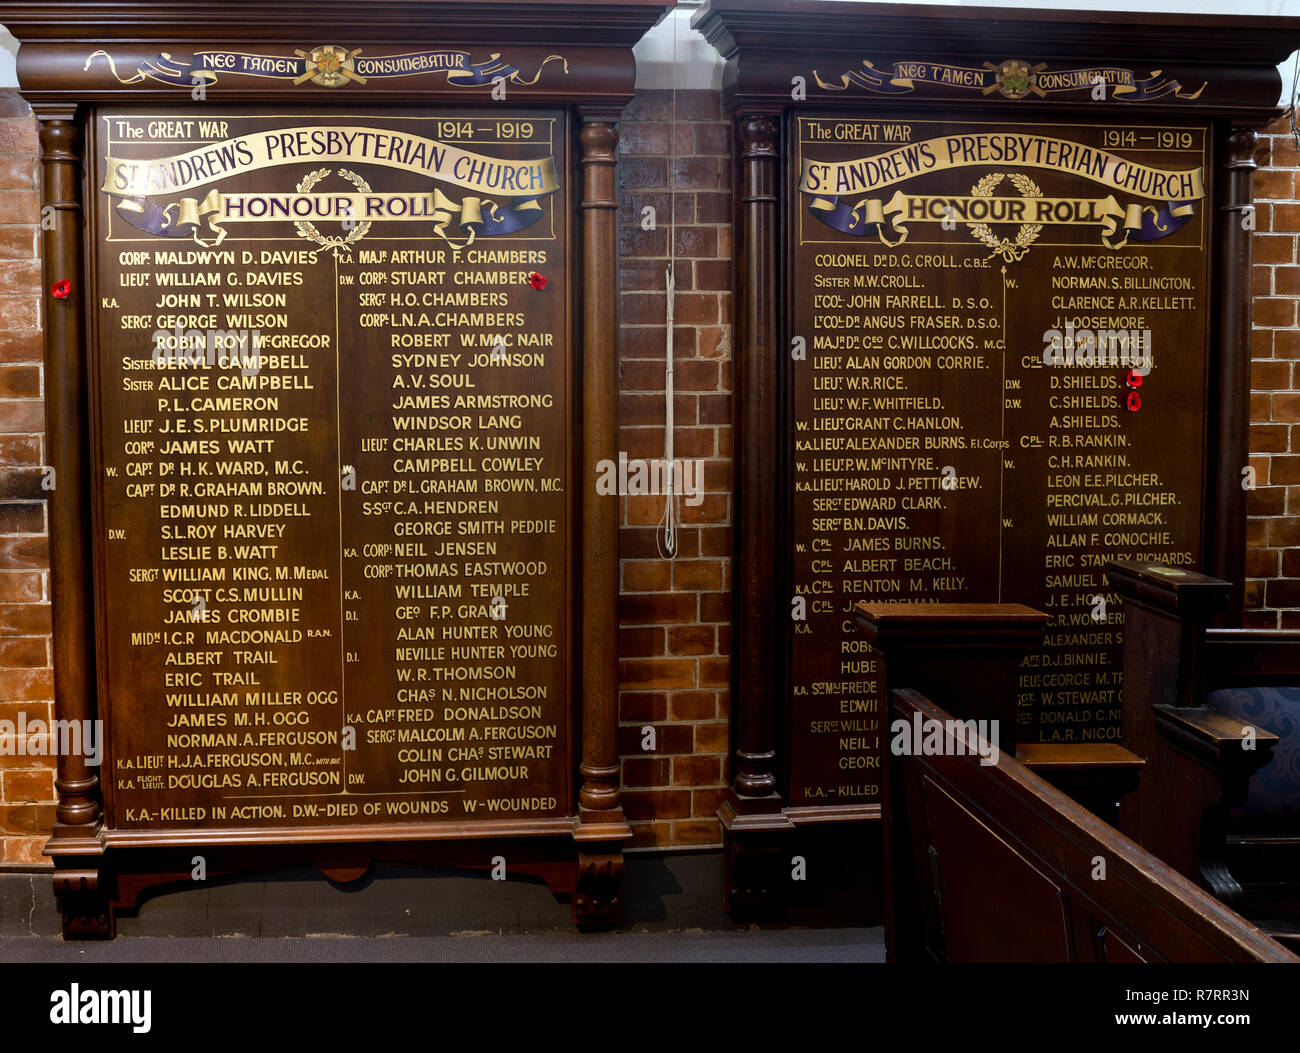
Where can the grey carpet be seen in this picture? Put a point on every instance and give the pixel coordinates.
(783, 945)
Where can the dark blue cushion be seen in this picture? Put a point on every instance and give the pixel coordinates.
(1273, 801)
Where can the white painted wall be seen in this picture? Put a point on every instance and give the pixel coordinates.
(674, 55)
(8, 49)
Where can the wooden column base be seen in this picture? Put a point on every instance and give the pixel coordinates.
(756, 838)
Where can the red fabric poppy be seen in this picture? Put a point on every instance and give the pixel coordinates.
(1134, 401)
(1133, 378)
(61, 289)
(537, 281)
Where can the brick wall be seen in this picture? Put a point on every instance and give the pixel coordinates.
(1273, 529)
(26, 682)
(674, 616)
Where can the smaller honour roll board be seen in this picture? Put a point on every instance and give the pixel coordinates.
(938, 450)
(332, 384)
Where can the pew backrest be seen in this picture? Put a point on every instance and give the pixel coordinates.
(988, 862)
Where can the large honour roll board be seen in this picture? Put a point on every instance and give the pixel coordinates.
(335, 575)
(934, 454)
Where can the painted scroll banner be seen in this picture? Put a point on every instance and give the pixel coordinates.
(1012, 79)
(329, 66)
(205, 220)
(522, 183)
(888, 220)
(1016, 150)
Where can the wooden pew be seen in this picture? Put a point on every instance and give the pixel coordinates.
(1006, 868)
(966, 658)
(1220, 797)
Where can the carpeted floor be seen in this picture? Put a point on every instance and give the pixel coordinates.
(785, 945)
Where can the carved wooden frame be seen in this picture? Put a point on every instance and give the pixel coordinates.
(768, 45)
(99, 871)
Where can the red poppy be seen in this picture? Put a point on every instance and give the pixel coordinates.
(1134, 401)
(1133, 378)
(61, 289)
(537, 281)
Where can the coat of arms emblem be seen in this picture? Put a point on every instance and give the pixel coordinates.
(330, 66)
(1014, 78)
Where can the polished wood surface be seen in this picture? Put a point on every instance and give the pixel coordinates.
(1225, 513)
(1095, 774)
(1200, 760)
(1251, 656)
(1209, 731)
(83, 61)
(263, 539)
(966, 656)
(755, 828)
(1052, 757)
(600, 829)
(79, 813)
(67, 417)
(1006, 870)
(594, 37)
(599, 567)
(839, 65)
(756, 451)
(769, 41)
(1165, 612)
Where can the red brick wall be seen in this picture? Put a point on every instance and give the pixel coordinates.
(1273, 529)
(26, 682)
(674, 616)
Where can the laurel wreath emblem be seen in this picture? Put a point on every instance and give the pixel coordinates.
(1016, 83)
(1010, 250)
(307, 229)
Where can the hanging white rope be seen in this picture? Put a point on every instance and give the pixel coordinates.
(666, 534)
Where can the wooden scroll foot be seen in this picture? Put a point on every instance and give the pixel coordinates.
(1213, 848)
(597, 899)
(85, 907)
(1216, 877)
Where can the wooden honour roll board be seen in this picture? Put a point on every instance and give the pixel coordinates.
(935, 454)
(331, 385)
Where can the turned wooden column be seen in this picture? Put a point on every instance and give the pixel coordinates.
(600, 829)
(598, 561)
(758, 608)
(1230, 423)
(755, 827)
(66, 423)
